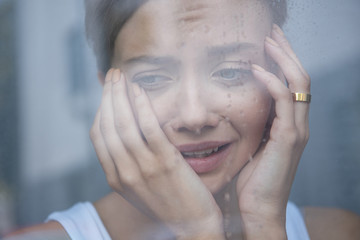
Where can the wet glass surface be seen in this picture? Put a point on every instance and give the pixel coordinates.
(49, 94)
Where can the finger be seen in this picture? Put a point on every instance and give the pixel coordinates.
(125, 166)
(125, 122)
(278, 35)
(148, 123)
(298, 82)
(283, 133)
(130, 135)
(103, 154)
(284, 108)
(296, 79)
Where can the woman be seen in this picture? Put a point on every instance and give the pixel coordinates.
(203, 120)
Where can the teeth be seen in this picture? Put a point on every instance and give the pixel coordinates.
(200, 154)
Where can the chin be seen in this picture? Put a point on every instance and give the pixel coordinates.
(215, 184)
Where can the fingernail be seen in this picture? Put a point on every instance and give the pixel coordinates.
(116, 76)
(257, 68)
(136, 89)
(271, 41)
(109, 74)
(278, 30)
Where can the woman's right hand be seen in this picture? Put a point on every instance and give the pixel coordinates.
(145, 168)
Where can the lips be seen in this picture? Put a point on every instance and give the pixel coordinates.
(205, 157)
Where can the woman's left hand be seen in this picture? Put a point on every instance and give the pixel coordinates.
(264, 184)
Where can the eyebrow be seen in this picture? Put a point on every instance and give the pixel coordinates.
(153, 60)
(230, 48)
(211, 51)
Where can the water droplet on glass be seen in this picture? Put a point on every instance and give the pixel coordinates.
(227, 197)
(198, 131)
(227, 219)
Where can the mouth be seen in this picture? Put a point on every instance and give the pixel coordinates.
(204, 153)
(205, 157)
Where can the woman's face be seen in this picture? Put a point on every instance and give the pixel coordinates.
(193, 58)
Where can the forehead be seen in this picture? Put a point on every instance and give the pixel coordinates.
(163, 27)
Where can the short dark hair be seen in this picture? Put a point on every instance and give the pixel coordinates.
(105, 18)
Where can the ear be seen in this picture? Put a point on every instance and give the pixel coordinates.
(101, 78)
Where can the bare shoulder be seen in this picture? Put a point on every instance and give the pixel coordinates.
(332, 223)
(49, 230)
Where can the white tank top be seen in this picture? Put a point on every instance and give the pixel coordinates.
(82, 222)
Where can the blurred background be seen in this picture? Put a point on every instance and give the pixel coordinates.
(49, 94)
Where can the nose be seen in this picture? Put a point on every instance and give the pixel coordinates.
(194, 109)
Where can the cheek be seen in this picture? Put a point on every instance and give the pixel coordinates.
(164, 106)
(242, 105)
(248, 111)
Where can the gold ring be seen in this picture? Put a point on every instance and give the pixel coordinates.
(302, 97)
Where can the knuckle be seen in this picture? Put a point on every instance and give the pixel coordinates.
(148, 130)
(307, 77)
(121, 122)
(304, 137)
(171, 166)
(307, 83)
(289, 133)
(154, 168)
(113, 182)
(292, 138)
(163, 166)
(130, 179)
(150, 172)
(285, 95)
(105, 126)
(94, 133)
(148, 124)
(172, 162)
(283, 41)
(130, 140)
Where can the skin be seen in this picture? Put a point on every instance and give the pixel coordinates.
(191, 102)
(142, 124)
(191, 97)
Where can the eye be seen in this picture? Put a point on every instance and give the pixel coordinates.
(231, 73)
(150, 81)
